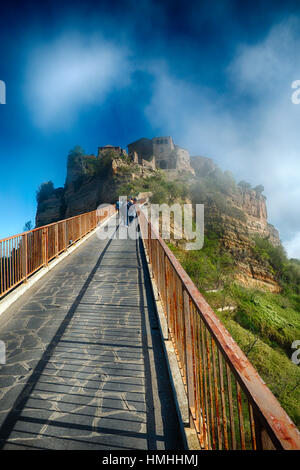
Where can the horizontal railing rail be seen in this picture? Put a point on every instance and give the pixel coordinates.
(229, 404)
(23, 254)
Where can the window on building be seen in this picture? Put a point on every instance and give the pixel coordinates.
(163, 164)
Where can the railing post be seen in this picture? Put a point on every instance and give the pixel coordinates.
(56, 239)
(24, 258)
(263, 441)
(80, 226)
(167, 282)
(189, 359)
(65, 235)
(45, 246)
(158, 271)
(149, 243)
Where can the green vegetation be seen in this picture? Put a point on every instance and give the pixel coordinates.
(210, 191)
(259, 189)
(76, 154)
(102, 165)
(244, 185)
(44, 191)
(28, 226)
(264, 324)
(163, 191)
(287, 272)
(89, 165)
(276, 368)
(210, 268)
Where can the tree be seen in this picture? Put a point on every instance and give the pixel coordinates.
(76, 152)
(259, 189)
(44, 191)
(244, 185)
(28, 226)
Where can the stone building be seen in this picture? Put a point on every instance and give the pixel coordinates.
(107, 148)
(162, 152)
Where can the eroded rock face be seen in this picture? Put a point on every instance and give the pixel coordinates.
(237, 238)
(255, 209)
(83, 193)
(183, 160)
(203, 165)
(84, 198)
(51, 209)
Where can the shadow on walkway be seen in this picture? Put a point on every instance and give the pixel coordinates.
(102, 381)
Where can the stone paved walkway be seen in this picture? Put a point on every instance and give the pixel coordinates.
(85, 366)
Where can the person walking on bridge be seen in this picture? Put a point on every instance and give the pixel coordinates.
(132, 210)
(124, 213)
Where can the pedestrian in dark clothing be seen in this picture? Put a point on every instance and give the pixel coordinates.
(124, 213)
(132, 210)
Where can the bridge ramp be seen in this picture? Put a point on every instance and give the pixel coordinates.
(85, 366)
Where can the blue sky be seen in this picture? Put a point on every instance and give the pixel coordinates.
(215, 75)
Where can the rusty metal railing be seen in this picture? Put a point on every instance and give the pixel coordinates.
(229, 404)
(23, 254)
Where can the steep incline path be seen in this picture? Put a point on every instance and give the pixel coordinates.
(85, 366)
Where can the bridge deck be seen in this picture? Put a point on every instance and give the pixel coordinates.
(85, 366)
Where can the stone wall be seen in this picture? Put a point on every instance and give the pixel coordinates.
(142, 147)
(108, 148)
(167, 155)
(183, 160)
(163, 150)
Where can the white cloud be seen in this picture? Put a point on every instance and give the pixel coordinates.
(258, 140)
(261, 144)
(293, 246)
(73, 72)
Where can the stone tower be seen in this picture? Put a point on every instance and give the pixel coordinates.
(167, 155)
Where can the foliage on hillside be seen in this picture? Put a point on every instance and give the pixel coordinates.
(44, 191)
(163, 191)
(211, 189)
(102, 166)
(263, 324)
(76, 155)
(286, 271)
(89, 165)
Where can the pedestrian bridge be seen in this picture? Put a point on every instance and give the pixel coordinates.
(92, 326)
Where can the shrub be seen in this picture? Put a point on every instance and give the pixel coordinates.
(244, 185)
(28, 226)
(75, 155)
(44, 191)
(274, 255)
(259, 189)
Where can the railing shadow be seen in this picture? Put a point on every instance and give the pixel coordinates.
(43, 393)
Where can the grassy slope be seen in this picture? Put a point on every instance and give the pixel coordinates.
(263, 324)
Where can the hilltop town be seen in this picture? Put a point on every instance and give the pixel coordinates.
(157, 153)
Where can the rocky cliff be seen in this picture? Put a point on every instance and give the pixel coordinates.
(236, 238)
(235, 213)
(89, 182)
